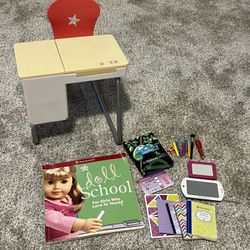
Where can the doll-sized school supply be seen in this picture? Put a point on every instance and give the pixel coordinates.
(202, 170)
(201, 220)
(167, 219)
(187, 148)
(183, 149)
(189, 151)
(181, 213)
(174, 219)
(151, 201)
(148, 154)
(186, 144)
(179, 149)
(192, 138)
(155, 182)
(202, 189)
(199, 147)
(176, 149)
(164, 218)
(107, 192)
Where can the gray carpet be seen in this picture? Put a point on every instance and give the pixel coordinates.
(188, 73)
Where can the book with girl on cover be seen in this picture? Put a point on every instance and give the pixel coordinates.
(89, 197)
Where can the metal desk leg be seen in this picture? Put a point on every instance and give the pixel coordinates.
(34, 135)
(119, 111)
(117, 134)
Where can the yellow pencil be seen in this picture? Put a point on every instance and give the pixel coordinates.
(189, 151)
(176, 149)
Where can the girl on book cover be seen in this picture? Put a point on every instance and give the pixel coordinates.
(63, 200)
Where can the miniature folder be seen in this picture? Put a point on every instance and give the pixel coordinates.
(164, 218)
(152, 213)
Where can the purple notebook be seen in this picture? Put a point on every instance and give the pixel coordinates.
(164, 219)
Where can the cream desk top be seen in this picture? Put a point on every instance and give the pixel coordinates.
(88, 55)
(38, 59)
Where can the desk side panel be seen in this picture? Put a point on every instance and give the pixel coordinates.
(46, 99)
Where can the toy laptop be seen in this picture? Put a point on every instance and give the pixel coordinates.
(148, 154)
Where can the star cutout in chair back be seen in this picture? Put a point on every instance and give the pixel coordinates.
(73, 18)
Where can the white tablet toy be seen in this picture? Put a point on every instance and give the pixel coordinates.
(202, 189)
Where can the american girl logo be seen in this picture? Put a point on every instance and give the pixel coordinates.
(94, 184)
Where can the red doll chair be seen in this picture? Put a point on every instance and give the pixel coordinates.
(77, 18)
(73, 18)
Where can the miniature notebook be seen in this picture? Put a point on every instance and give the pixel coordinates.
(201, 220)
(109, 194)
(181, 212)
(204, 221)
(148, 154)
(152, 213)
(174, 219)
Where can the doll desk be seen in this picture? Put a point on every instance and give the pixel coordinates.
(45, 67)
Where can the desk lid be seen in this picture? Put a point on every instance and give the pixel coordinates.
(38, 59)
(91, 54)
